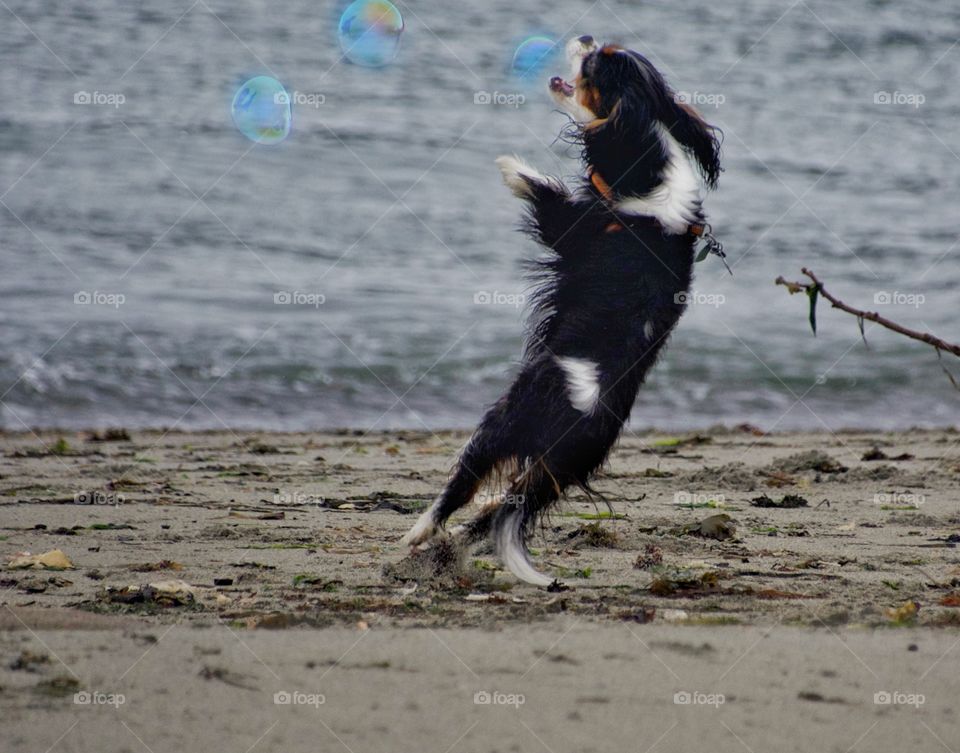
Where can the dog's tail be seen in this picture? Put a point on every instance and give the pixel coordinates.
(509, 536)
(528, 496)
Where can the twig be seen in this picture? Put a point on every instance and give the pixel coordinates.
(815, 288)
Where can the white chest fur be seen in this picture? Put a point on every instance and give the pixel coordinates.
(676, 201)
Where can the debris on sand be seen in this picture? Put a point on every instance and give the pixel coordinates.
(811, 460)
(152, 567)
(28, 661)
(109, 435)
(641, 616)
(720, 527)
(819, 697)
(672, 582)
(905, 614)
(57, 687)
(730, 476)
(55, 559)
(776, 593)
(226, 676)
(595, 535)
(165, 593)
(788, 501)
(443, 562)
(877, 454)
(35, 584)
(651, 557)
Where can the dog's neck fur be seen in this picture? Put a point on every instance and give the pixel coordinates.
(659, 182)
(630, 166)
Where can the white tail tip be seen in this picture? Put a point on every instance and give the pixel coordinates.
(513, 551)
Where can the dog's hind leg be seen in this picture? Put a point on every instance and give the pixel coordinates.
(478, 528)
(476, 462)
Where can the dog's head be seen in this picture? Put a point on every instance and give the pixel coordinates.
(618, 95)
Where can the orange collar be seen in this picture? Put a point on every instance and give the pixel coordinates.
(600, 184)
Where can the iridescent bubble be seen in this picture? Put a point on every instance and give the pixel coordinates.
(261, 110)
(369, 32)
(532, 56)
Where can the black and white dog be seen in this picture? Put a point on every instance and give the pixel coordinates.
(611, 289)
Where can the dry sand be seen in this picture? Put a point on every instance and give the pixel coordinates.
(214, 570)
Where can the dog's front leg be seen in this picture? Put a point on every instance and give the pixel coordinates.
(526, 182)
(553, 211)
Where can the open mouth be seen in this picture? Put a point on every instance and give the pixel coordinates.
(559, 86)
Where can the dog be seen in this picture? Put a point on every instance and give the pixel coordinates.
(609, 292)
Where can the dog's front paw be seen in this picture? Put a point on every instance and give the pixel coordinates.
(424, 530)
(518, 176)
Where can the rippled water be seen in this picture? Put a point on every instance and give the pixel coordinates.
(381, 218)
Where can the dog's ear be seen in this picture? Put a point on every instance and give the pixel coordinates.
(698, 137)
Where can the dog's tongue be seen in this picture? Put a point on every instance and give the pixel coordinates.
(557, 84)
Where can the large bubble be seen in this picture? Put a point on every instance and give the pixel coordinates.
(532, 56)
(370, 31)
(261, 110)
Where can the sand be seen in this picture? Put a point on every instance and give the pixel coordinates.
(214, 570)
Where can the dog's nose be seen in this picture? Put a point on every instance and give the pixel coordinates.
(586, 40)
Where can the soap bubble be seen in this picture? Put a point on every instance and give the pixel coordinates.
(369, 32)
(532, 56)
(261, 110)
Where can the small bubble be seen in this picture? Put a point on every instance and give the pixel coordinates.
(261, 110)
(532, 56)
(370, 31)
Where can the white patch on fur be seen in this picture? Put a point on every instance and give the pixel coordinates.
(512, 551)
(516, 173)
(675, 202)
(583, 382)
(423, 530)
(648, 330)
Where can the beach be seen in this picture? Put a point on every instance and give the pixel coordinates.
(799, 590)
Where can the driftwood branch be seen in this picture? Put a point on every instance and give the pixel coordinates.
(815, 288)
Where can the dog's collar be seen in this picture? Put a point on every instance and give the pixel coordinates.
(696, 229)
